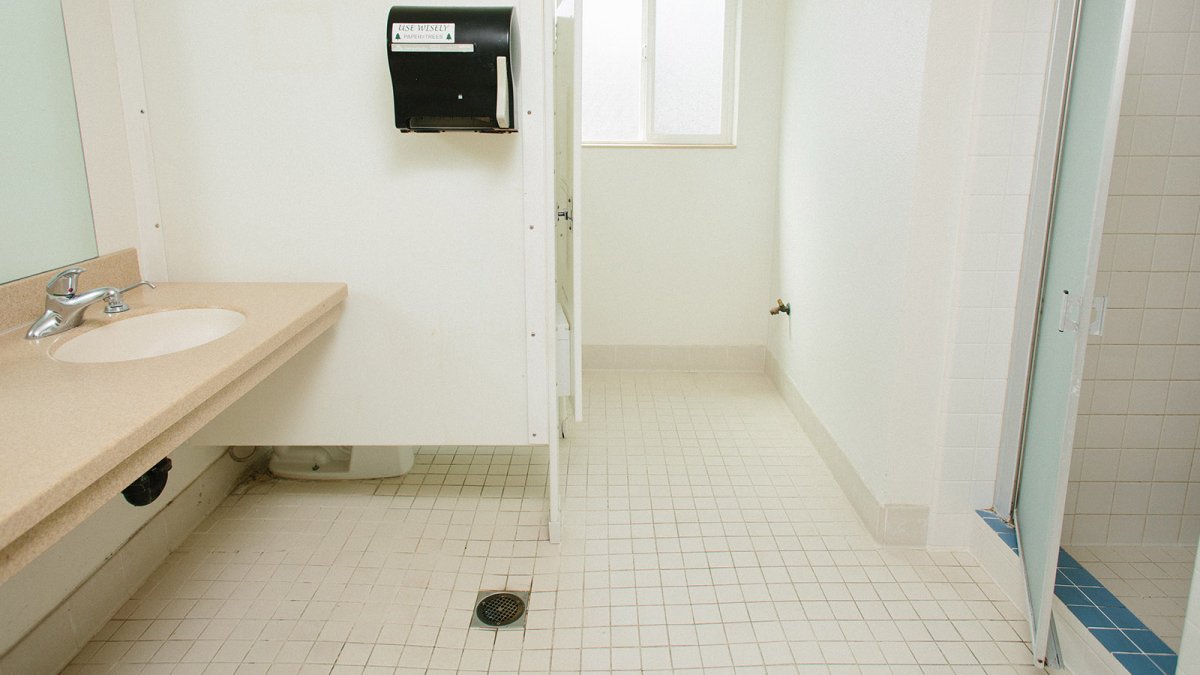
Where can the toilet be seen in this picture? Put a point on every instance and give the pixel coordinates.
(341, 462)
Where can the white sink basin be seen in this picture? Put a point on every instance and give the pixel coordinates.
(141, 337)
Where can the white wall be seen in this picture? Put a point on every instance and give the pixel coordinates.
(875, 110)
(278, 160)
(678, 240)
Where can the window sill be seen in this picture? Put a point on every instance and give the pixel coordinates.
(717, 146)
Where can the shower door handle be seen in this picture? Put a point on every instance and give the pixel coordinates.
(1099, 309)
(1070, 316)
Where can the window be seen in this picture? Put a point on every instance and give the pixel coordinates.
(659, 72)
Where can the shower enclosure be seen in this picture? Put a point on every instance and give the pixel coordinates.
(1105, 405)
(1133, 501)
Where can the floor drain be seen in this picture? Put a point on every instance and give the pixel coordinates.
(500, 609)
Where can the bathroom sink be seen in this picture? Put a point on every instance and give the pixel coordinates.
(148, 335)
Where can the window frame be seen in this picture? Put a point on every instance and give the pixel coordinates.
(727, 138)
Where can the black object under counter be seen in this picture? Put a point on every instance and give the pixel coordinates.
(452, 68)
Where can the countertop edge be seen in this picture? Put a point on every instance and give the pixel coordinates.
(38, 523)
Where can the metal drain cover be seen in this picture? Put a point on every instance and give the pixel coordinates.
(500, 609)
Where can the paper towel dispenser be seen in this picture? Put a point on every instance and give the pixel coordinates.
(452, 68)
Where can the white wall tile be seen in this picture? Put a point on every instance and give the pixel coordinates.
(1142, 431)
(1159, 94)
(1179, 215)
(1167, 498)
(1189, 326)
(1189, 97)
(1160, 326)
(1154, 362)
(1183, 397)
(1131, 498)
(1166, 53)
(1162, 529)
(1170, 15)
(1186, 137)
(1009, 82)
(1151, 135)
(1179, 431)
(1139, 213)
(1166, 289)
(1128, 289)
(1125, 529)
(1134, 252)
(1137, 466)
(1187, 363)
(1183, 175)
(1172, 253)
(1148, 397)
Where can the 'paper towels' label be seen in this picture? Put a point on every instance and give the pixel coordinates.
(422, 33)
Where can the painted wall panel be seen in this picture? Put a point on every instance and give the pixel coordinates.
(278, 159)
(871, 153)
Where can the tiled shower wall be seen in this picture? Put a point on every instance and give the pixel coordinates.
(1010, 75)
(1135, 477)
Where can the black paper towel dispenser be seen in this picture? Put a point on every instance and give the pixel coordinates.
(452, 68)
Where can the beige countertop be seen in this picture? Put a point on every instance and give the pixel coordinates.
(75, 434)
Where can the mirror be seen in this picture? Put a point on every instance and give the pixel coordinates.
(45, 209)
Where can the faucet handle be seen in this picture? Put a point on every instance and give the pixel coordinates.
(65, 283)
(116, 300)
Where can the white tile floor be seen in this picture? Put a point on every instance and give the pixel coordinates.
(702, 532)
(1152, 581)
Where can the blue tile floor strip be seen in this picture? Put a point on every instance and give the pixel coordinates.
(1002, 529)
(1108, 620)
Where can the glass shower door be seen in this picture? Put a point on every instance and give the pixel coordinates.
(1102, 33)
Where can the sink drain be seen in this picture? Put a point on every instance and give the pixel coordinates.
(500, 609)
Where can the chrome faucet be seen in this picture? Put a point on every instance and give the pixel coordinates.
(65, 307)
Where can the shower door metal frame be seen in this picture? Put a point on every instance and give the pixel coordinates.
(1056, 94)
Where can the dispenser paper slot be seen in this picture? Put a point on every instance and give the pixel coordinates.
(464, 49)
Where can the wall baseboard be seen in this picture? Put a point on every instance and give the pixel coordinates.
(51, 645)
(890, 524)
(732, 358)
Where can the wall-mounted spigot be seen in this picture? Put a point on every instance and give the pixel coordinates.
(781, 308)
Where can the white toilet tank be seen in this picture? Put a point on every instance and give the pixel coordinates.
(341, 462)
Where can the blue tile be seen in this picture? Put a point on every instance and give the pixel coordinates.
(1138, 664)
(1166, 662)
(1123, 618)
(1101, 597)
(1071, 595)
(1114, 640)
(1148, 642)
(1091, 617)
(1080, 577)
(1060, 579)
(1008, 538)
(1065, 560)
